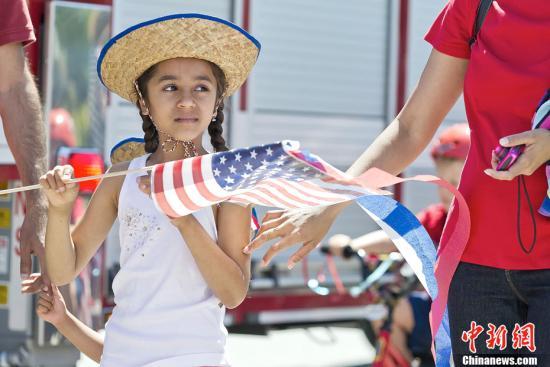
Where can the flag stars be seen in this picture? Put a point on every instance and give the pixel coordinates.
(248, 166)
(229, 180)
(216, 172)
(232, 169)
(269, 151)
(238, 157)
(222, 159)
(265, 163)
(253, 154)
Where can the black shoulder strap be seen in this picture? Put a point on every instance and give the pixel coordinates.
(481, 12)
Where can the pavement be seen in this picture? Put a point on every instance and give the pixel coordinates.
(312, 347)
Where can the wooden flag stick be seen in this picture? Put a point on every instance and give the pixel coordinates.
(80, 179)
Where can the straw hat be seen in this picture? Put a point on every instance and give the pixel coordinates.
(130, 53)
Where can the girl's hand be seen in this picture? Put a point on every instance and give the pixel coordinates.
(536, 153)
(33, 284)
(51, 306)
(144, 184)
(61, 195)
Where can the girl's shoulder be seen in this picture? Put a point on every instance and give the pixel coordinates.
(118, 167)
(113, 185)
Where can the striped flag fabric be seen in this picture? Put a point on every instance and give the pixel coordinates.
(281, 175)
(275, 175)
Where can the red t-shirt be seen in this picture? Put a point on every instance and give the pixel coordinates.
(508, 72)
(15, 22)
(433, 219)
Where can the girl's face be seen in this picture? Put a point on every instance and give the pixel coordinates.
(181, 97)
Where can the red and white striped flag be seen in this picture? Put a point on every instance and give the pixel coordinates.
(274, 175)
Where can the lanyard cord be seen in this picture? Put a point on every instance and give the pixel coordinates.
(521, 181)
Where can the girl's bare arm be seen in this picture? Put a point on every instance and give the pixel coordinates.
(223, 265)
(67, 253)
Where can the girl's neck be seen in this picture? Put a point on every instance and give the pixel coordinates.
(160, 156)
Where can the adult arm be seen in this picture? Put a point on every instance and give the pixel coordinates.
(26, 136)
(393, 150)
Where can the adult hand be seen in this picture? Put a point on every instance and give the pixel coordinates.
(308, 226)
(536, 153)
(34, 284)
(32, 236)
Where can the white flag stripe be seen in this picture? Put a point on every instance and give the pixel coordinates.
(358, 191)
(208, 176)
(169, 192)
(153, 196)
(285, 184)
(279, 195)
(261, 192)
(190, 186)
(249, 199)
(318, 194)
(404, 248)
(255, 196)
(345, 192)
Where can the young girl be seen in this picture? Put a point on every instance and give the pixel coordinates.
(177, 276)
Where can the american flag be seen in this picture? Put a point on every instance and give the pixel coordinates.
(275, 175)
(281, 175)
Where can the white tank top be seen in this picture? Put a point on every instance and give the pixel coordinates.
(165, 314)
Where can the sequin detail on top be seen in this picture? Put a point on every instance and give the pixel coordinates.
(140, 227)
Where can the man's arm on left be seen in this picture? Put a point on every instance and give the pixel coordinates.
(21, 114)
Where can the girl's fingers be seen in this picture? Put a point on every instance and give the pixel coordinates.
(144, 183)
(58, 181)
(45, 303)
(67, 174)
(48, 297)
(56, 292)
(51, 180)
(44, 182)
(41, 309)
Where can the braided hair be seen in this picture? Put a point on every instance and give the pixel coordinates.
(151, 135)
(215, 129)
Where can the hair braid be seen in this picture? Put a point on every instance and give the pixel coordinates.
(215, 130)
(151, 135)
